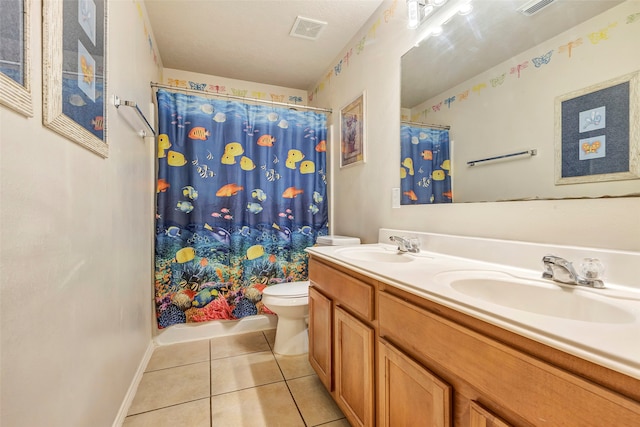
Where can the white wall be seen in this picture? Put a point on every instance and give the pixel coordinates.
(76, 239)
(362, 194)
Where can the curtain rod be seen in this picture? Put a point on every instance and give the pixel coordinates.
(426, 125)
(241, 98)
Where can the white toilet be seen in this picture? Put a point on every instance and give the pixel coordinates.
(290, 301)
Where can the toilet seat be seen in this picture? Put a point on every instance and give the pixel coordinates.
(288, 290)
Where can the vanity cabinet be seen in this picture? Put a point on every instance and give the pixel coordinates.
(394, 358)
(342, 334)
(514, 386)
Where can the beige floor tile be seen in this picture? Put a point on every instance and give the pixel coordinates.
(172, 386)
(313, 400)
(244, 371)
(191, 414)
(340, 423)
(294, 366)
(234, 345)
(271, 337)
(168, 356)
(269, 405)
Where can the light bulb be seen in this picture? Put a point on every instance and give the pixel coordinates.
(465, 9)
(413, 14)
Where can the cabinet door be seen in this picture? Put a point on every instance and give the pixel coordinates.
(480, 417)
(320, 336)
(408, 394)
(354, 386)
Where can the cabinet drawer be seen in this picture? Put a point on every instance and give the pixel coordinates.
(538, 392)
(345, 290)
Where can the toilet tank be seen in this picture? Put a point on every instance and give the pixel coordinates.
(335, 240)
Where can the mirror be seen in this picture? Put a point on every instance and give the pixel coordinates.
(494, 77)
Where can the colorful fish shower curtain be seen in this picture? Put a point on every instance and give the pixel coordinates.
(425, 165)
(241, 193)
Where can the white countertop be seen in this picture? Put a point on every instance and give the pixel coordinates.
(615, 345)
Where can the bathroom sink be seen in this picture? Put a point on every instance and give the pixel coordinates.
(374, 254)
(534, 296)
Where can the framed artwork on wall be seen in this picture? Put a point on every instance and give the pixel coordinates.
(352, 132)
(15, 57)
(598, 132)
(74, 68)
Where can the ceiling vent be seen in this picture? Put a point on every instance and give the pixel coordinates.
(306, 28)
(533, 7)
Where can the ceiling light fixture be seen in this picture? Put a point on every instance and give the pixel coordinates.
(442, 15)
(418, 10)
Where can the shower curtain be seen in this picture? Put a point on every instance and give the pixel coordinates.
(241, 193)
(425, 166)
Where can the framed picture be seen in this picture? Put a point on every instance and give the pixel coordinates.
(15, 65)
(598, 132)
(352, 134)
(74, 68)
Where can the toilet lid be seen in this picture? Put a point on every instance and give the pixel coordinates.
(288, 290)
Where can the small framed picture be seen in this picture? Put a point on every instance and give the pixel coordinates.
(598, 132)
(352, 132)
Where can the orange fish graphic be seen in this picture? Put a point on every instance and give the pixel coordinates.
(427, 155)
(266, 141)
(322, 146)
(198, 132)
(163, 185)
(87, 70)
(292, 192)
(448, 194)
(272, 258)
(412, 196)
(204, 262)
(97, 123)
(229, 190)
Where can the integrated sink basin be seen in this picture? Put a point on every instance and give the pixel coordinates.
(534, 296)
(374, 254)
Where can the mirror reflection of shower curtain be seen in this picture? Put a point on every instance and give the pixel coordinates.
(241, 193)
(425, 165)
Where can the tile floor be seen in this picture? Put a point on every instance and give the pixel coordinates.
(234, 381)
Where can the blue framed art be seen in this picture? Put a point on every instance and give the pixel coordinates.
(15, 75)
(598, 132)
(74, 71)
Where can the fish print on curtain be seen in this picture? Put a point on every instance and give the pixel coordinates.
(241, 193)
(425, 165)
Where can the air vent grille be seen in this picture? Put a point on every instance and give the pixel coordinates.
(535, 6)
(307, 28)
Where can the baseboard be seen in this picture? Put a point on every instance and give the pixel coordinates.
(133, 387)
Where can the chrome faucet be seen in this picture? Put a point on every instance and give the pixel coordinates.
(405, 244)
(561, 270)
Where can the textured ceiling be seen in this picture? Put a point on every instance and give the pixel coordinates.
(249, 39)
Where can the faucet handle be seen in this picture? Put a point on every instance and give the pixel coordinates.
(414, 242)
(591, 268)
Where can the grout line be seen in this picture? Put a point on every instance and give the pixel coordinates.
(165, 407)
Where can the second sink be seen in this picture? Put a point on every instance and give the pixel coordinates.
(548, 299)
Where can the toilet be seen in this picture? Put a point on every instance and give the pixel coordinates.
(290, 302)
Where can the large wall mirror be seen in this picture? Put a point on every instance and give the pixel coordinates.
(493, 80)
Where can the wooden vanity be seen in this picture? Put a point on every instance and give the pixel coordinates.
(393, 358)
